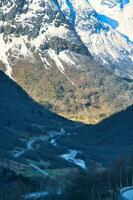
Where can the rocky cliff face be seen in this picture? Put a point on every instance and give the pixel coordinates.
(56, 50)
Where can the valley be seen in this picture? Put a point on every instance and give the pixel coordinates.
(66, 100)
(43, 145)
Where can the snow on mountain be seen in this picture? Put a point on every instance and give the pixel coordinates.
(63, 49)
(119, 16)
(105, 27)
(71, 157)
(36, 27)
(119, 11)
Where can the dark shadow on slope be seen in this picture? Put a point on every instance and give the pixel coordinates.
(18, 108)
(104, 142)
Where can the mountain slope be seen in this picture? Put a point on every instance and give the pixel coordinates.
(46, 48)
(107, 36)
(24, 121)
(38, 135)
(44, 149)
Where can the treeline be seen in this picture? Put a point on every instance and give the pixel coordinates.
(92, 185)
(102, 185)
(13, 186)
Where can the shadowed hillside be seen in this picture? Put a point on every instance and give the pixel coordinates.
(39, 145)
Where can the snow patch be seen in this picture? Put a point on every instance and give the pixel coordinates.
(71, 157)
(36, 195)
(4, 56)
(59, 64)
(53, 142)
(64, 56)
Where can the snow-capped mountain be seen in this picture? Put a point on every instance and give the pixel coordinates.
(120, 12)
(29, 27)
(64, 54)
(105, 27)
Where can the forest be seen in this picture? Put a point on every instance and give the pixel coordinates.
(92, 185)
